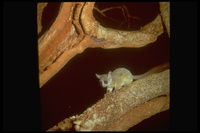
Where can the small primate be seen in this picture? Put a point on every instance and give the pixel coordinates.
(122, 76)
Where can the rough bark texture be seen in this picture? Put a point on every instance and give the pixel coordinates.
(165, 11)
(76, 29)
(127, 106)
(118, 103)
(129, 119)
(139, 113)
(40, 8)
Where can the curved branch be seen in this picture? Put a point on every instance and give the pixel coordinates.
(165, 12)
(75, 29)
(118, 38)
(127, 106)
(115, 105)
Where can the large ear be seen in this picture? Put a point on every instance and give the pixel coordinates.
(109, 74)
(97, 75)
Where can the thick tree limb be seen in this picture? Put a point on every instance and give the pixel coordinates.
(127, 106)
(139, 113)
(40, 8)
(131, 118)
(76, 29)
(165, 12)
(118, 38)
(118, 103)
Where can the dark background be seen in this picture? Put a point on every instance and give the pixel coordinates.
(25, 107)
(75, 87)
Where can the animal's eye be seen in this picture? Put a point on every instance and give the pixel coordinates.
(105, 82)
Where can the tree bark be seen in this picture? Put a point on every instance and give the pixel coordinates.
(76, 29)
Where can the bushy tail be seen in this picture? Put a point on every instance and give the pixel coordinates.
(156, 69)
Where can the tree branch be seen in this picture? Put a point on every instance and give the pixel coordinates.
(127, 106)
